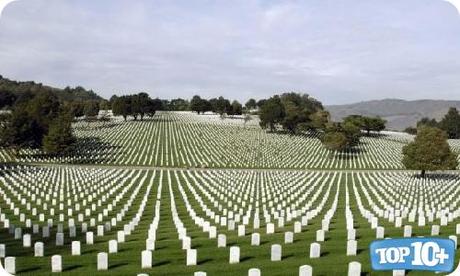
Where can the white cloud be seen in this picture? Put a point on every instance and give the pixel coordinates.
(338, 51)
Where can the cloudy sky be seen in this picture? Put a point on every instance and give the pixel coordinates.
(339, 51)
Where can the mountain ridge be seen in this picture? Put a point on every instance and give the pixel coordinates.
(399, 113)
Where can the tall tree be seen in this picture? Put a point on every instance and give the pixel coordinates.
(91, 109)
(335, 141)
(271, 113)
(298, 109)
(451, 123)
(429, 152)
(235, 109)
(427, 122)
(59, 137)
(251, 104)
(121, 106)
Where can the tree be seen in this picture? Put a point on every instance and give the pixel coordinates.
(376, 124)
(121, 106)
(235, 109)
(30, 121)
(59, 136)
(429, 152)
(411, 130)
(427, 122)
(335, 141)
(221, 106)
(251, 104)
(91, 109)
(153, 106)
(178, 105)
(365, 123)
(341, 136)
(271, 113)
(451, 123)
(199, 105)
(298, 109)
(77, 109)
(319, 119)
(7, 98)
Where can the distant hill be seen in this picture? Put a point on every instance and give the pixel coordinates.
(19, 88)
(399, 113)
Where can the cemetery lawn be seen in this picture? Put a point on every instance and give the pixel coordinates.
(169, 258)
(137, 167)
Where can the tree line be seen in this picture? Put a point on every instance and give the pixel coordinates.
(137, 106)
(296, 113)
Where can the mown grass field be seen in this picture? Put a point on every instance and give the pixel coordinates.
(172, 143)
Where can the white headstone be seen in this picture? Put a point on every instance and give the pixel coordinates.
(76, 248)
(121, 236)
(305, 270)
(320, 235)
(288, 237)
(26, 240)
(234, 255)
(270, 228)
(150, 244)
(56, 264)
(399, 272)
(39, 249)
(59, 239)
(276, 253)
(315, 250)
(146, 257)
(221, 240)
(2, 251)
(102, 261)
(255, 239)
(89, 238)
(191, 257)
(113, 246)
(435, 230)
(297, 227)
(354, 269)
(254, 272)
(352, 247)
(407, 231)
(351, 234)
(10, 265)
(380, 232)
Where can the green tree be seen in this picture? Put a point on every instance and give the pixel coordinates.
(91, 109)
(235, 109)
(121, 106)
(411, 130)
(29, 121)
(427, 122)
(298, 109)
(251, 104)
(335, 141)
(153, 106)
(319, 119)
(59, 137)
(199, 105)
(341, 136)
(451, 123)
(271, 113)
(429, 152)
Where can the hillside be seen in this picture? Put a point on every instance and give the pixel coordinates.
(19, 88)
(399, 113)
